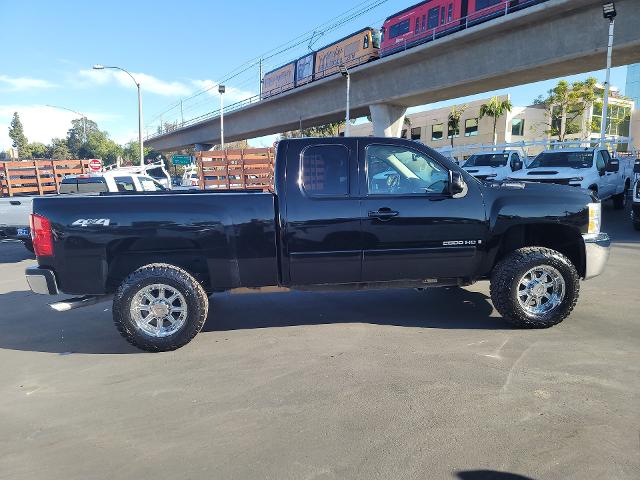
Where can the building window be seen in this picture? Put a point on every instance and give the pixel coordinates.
(325, 170)
(618, 119)
(451, 133)
(416, 133)
(437, 131)
(517, 127)
(404, 133)
(471, 127)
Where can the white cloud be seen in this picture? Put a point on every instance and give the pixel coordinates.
(231, 94)
(148, 83)
(41, 123)
(15, 84)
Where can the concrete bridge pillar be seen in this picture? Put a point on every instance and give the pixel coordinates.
(387, 119)
(203, 147)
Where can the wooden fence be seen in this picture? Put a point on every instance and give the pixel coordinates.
(248, 169)
(37, 177)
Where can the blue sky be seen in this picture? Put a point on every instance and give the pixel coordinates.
(176, 49)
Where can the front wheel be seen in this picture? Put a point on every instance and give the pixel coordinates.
(159, 308)
(535, 287)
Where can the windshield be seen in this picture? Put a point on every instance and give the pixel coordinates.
(563, 159)
(487, 160)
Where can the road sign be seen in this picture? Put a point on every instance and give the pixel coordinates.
(182, 160)
(95, 165)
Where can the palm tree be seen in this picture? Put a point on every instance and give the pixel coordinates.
(495, 109)
(453, 122)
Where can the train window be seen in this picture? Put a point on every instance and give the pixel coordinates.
(442, 18)
(424, 22)
(450, 14)
(437, 131)
(434, 15)
(480, 4)
(399, 28)
(325, 170)
(376, 38)
(417, 30)
(365, 44)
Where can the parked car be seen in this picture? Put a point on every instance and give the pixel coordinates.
(15, 211)
(635, 212)
(331, 223)
(494, 165)
(589, 168)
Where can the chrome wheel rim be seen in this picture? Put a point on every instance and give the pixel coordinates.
(159, 310)
(541, 290)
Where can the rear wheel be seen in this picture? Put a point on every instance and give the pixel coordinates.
(620, 200)
(160, 308)
(535, 287)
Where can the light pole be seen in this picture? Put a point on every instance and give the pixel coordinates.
(609, 12)
(82, 115)
(221, 90)
(102, 67)
(345, 73)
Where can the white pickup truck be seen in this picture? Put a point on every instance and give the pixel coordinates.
(15, 211)
(635, 212)
(494, 165)
(589, 168)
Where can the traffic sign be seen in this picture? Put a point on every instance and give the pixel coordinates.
(182, 160)
(95, 165)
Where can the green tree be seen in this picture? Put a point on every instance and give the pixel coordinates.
(99, 145)
(19, 139)
(58, 149)
(495, 109)
(328, 130)
(38, 150)
(131, 153)
(566, 104)
(76, 135)
(453, 121)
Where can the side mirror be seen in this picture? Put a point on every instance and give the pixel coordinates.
(517, 165)
(613, 165)
(457, 185)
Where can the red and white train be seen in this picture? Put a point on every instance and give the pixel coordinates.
(415, 25)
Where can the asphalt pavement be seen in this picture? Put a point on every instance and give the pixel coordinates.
(369, 385)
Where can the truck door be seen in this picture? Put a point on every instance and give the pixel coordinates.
(322, 238)
(607, 183)
(412, 228)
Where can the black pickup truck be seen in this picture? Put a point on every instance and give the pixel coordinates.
(345, 213)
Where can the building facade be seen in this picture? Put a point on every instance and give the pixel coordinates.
(632, 91)
(431, 126)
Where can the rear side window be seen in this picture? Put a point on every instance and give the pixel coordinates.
(325, 170)
(92, 185)
(125, 184)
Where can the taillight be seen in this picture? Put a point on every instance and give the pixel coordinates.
(41, 236)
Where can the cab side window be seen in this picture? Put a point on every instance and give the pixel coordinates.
(397, 170)
(600, 161)
(325, 170)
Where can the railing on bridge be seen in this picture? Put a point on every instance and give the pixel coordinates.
(37, 177)
(248, 169)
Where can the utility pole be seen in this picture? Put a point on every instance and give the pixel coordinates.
(221, 90)
(260, 78)
(609, 12)
(181, 114)
(345, 73)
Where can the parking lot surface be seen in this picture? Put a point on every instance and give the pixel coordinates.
(382, 384)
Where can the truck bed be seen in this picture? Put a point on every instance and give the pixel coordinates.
(227, 239)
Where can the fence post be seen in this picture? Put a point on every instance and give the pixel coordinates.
(200, 170)
(226, 163)
(38, 182)
(243, 174)
(8, 180)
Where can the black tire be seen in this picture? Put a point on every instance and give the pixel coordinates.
(620, 201)
(28, 244)
(505, 281)
(194, 296)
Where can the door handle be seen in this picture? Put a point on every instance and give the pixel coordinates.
(384, 214)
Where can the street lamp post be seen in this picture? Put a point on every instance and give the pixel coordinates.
(82, 115)
(221, 90)
(140, 141)
(609, 12)
(345, 73)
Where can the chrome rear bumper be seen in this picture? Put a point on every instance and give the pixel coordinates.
(596, 248)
